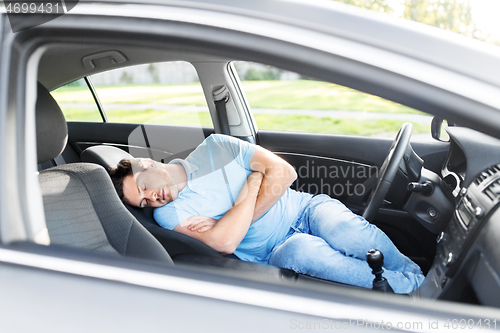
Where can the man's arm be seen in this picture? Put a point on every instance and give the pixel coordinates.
(229, 231)
(278, 176)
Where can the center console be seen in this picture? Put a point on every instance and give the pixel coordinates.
(456, 249)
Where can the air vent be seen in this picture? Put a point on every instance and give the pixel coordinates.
(487, 174)
(493, 190)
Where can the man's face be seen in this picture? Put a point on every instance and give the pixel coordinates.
(150, 185)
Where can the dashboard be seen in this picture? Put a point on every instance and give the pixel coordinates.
(467, 263)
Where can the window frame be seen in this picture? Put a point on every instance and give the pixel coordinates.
(92, 89)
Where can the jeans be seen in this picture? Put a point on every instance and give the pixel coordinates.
(329, 241)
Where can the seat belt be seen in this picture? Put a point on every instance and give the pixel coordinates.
(59, 160)
(150, 152)
(221, 97)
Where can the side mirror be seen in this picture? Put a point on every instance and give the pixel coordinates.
(438, 132)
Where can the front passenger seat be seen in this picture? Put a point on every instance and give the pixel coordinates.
(82, 208)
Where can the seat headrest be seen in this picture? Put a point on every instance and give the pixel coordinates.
(106, 156)
(51, 127)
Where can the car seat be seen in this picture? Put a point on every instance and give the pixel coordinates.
(82, 209)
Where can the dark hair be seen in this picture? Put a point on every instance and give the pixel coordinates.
(118, 173)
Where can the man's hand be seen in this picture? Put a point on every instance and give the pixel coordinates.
(200, 223)
(255, 179)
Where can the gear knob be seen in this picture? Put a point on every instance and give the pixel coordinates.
(375, 260)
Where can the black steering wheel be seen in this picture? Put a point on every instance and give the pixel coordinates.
(388, 171)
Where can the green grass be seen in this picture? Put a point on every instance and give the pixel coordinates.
(300, 94)
(75, 114)
(315, 95)
(326, 125)
(146, 116)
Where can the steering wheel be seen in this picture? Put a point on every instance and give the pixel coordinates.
(388, 171)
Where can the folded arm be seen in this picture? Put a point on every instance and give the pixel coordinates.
(278, 176)
(271, 178)
(229, 231)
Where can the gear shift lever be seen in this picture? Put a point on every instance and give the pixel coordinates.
(375, 259)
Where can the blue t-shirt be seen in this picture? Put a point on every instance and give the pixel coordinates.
(216, 170)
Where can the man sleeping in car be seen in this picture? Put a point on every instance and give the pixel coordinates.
(235, 197)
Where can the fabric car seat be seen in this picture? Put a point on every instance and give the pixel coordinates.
(82, 208)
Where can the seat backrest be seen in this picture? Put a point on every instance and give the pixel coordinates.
(82, 208)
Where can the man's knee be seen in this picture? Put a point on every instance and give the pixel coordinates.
(294, 250)
(332, 217)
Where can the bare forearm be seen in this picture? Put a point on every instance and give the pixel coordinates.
(230, 230)
(274, 184)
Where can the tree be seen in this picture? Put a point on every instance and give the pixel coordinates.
(153, 71)
(452, 15)
(376, 5)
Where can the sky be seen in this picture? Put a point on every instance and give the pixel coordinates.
(485, 14)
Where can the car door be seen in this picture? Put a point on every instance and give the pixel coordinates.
(51, 289)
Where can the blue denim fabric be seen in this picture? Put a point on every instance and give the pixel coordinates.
(330, 242)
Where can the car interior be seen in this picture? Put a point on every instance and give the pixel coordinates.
(453, 195)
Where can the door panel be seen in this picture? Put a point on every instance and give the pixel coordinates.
(341, 165)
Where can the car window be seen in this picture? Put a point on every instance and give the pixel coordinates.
(160, 93)
(77, 102)
(285, 101)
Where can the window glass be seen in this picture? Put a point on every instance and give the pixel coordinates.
(286, 101)
(76, 102)
(160, 93)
